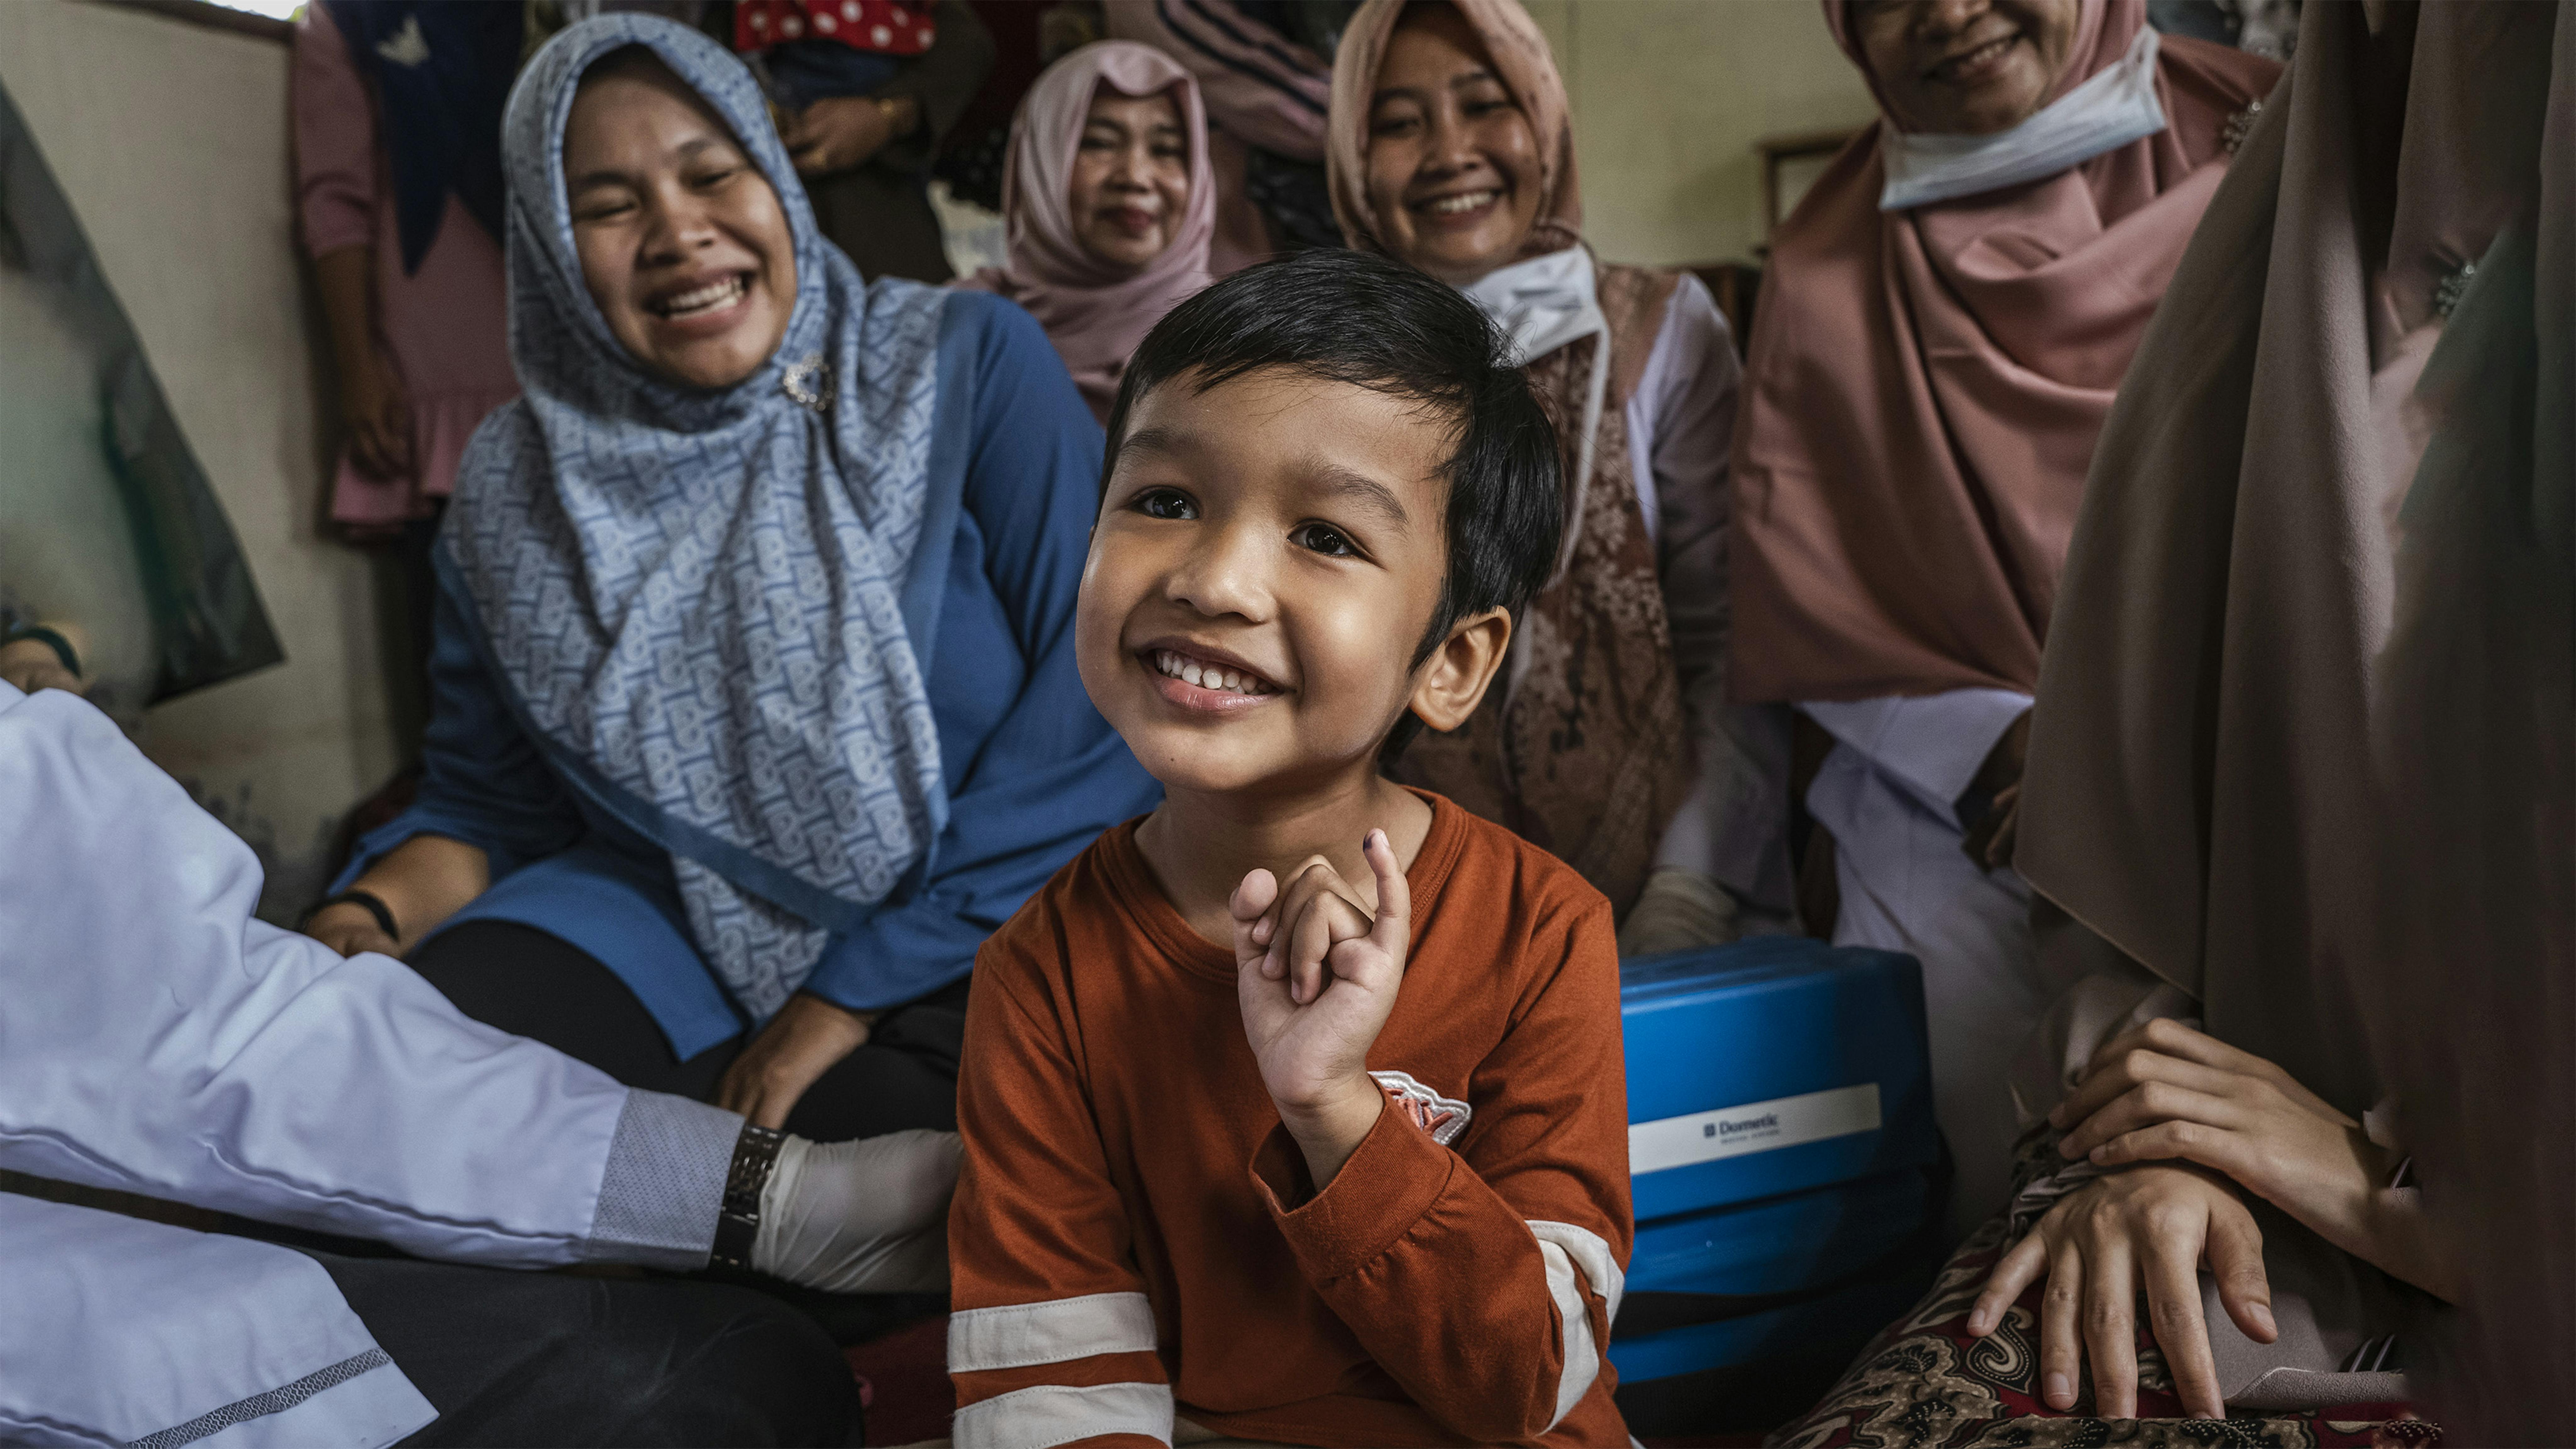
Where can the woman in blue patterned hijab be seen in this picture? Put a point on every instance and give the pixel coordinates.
(755, 702)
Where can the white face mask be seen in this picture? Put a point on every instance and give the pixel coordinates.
(1543, 303)
(2110, 109)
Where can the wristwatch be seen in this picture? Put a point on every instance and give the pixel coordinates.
(755, 1154)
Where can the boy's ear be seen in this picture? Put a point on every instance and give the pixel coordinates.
(1454, 679)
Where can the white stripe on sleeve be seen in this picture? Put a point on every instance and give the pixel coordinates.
(1577, 1257)
(1024, 1334)
(1051, 1414)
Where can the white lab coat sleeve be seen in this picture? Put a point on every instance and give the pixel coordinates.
(156, 1039)
(124, 1332)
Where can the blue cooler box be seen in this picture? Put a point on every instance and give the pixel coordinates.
(1789, 1179)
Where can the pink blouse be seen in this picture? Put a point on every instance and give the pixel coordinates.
(446, 328)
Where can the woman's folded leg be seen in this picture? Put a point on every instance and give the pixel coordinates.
(545, 1358)
(534, 984)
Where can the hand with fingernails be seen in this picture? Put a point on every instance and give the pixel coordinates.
(1317, 970)
(2192, 1120)
(2159, 1224)
(2166, 1092)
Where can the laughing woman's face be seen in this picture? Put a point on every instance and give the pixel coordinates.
(682, 241)
(1453, 171)
(1964, 67)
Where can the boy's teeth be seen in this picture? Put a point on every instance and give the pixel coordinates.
(1208, 676)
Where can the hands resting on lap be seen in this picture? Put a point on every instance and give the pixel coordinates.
(2192, 1120)
(808, 1037)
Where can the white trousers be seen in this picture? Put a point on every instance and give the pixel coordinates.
(1888, 795)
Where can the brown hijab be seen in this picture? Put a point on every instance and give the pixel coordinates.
(2306, 737)
(1925, 386)
(1581, 749)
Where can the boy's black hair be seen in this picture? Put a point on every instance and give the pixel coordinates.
(1358, 318)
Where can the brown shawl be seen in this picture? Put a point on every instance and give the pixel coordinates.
(1581, 751)
(2305, 744)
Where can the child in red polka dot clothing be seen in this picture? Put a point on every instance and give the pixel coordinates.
(806, 50)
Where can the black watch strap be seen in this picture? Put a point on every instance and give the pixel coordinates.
(755, 1154)
(374, 904)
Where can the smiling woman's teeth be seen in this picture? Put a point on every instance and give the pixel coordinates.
(704, 299)
(1978, 56)
(1190, 671)
(1450, 205)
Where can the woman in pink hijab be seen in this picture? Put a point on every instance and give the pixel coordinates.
(1110, 205)
(1947, 314)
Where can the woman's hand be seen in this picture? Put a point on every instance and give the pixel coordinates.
(32, 664)
(839, 132)
(2158, 1223)
(2165, 1092)
(350, 928)
(808, 1037)
(421, 883)
(377, 412)
(1316, 977)
(373, 406)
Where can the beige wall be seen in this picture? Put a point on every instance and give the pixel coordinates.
(170, 141)
(1669, 96)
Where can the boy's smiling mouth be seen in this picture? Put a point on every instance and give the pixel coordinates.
(1200, 681)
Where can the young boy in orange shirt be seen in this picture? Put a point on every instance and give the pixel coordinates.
(1341, 1161)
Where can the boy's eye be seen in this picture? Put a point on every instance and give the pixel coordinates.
(1165, 503)
(1325, 539)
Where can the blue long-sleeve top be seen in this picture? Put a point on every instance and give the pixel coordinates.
(1032, 772)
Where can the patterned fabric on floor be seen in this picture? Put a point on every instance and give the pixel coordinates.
(1925, 1384)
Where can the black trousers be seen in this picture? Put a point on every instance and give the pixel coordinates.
(532, 984)
(548, 1358)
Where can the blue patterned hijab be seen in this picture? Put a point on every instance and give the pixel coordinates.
(695, 598)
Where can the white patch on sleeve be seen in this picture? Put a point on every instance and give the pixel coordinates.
(1051, 1414)
(1579, 1263)
(1025, 1334)
(1443, 1117)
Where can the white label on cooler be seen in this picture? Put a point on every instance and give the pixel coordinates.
(1753, 1127)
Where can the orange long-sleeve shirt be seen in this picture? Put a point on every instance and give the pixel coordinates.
(1123, 1245)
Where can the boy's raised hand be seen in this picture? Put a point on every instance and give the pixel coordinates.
(1316, 978)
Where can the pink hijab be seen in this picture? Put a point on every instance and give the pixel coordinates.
(1095, 313)
(1925, 388)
